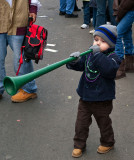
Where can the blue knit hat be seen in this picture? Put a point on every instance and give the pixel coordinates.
(108, 33)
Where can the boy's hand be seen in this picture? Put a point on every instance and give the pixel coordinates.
(75, 54)
(95, 49)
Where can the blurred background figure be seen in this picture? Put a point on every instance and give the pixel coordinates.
(93, 6)
(86, 14)
(124, 12)
(101, 12)
(67, 8)
(76, 6)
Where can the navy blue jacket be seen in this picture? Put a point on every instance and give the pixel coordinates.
(97, 82)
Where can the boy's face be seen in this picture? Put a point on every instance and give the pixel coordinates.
(101, 43)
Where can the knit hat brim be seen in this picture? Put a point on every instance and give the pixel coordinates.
(108, 33)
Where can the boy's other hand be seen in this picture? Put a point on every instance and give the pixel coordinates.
(95, 49)
(75, 54)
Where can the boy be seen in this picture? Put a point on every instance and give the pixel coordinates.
(96, 89)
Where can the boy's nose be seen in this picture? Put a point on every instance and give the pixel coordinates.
(98, 43)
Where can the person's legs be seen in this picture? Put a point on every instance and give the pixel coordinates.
(94, 16)
(124, 30)
(82, 124)
(119, 48)
(63, 6)
(86, 10)
(15, 43)
(107, 14)
(76, 7)
(3, 53)
(94, 20)
(70, 6)
(110, 8)
(101, 112)
(128, 43)
(127, 38)
(101, 13)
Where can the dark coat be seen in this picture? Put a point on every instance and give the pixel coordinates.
(99, 71)
(121, 7)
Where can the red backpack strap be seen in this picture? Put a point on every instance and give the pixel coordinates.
(40, 50)
(45, 33)
(20, 61)
(44, 37)
(39, 30)
(33, 28)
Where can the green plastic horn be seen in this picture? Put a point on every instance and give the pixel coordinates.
(12, 84)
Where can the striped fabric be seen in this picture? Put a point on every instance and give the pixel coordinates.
(107, 33)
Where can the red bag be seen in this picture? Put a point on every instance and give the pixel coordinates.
(34, 43)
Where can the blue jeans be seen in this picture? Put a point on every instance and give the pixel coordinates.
(101, 12)
(67, 6)
(86, 10)
(94, 16)
(124, 30)
(15, 42)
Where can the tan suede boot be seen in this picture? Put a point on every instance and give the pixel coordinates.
(77, 153)
(121, 71)
(103, 149)
(23, 96)
(129, 61)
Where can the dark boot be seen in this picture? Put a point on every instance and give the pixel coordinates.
(71, 15)
(129, 61)
(121, 71)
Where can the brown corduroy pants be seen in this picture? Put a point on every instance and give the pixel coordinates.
(101, 112)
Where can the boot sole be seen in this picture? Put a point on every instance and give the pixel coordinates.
(75, 156)
(103, 152)
(19, 101)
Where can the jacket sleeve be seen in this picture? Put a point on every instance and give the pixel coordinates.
(34, 6)
(115, 7)
(77, 66)
(124, 7)
(107, 65)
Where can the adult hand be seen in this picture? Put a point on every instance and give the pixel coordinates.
(95, 48)
(33, 15)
